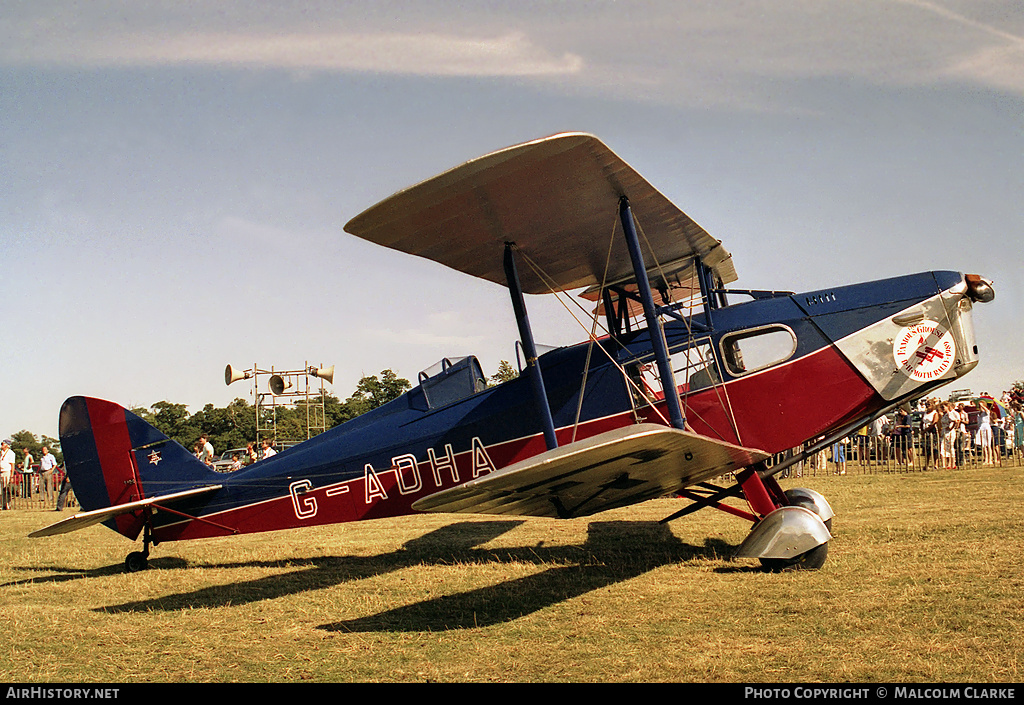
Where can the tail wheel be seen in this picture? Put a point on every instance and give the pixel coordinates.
(136, 561)
(139, 560)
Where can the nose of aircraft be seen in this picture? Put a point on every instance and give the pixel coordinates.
(979, 289)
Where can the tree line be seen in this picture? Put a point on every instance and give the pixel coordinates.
(234, 426)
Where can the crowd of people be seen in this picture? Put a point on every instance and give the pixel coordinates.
(933, 433)
(28, 478)
(203, 450)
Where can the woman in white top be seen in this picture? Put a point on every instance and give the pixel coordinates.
(7, 461)
(949, 427)
(983, 437)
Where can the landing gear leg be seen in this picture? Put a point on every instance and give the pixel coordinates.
(139, 560)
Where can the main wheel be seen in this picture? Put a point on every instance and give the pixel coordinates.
(811, 560)
(136, 561)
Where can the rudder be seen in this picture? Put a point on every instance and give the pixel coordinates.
(113, 457)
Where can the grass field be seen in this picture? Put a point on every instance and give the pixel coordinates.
(923, 584)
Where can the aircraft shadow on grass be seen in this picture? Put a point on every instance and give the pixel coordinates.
(613, 552)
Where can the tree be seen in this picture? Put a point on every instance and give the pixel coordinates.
(25, 439)
(173, 421)
(505, 373)
(335, 411)
(373, 391)
(229, 427)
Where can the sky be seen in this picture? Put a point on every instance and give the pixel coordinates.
(175, 176)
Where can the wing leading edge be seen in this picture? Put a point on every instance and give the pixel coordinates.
(557, 199)
(613, 469)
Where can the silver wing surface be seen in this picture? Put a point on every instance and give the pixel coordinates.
(613, 469)
(557, 199)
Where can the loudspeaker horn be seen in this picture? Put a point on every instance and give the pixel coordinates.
(233, 375)
(278, 384)
(323, 373)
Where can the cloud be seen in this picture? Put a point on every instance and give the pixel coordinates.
(999, 67)
(750, 53)
(414, 53)
(996, 55)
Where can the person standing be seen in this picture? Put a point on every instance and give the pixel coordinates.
(1017, 419)
(902, 436)
(7, 461)
(839, 456)
(949, 429)
(65, 490)
(877, 433)
(26, 474)
(962, 436)
(931, 434)
(268, 450)
(47, 464)
(983, 436)
(205, 450)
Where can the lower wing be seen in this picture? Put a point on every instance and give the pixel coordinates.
(613, 469)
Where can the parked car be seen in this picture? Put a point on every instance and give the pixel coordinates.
(223, 463)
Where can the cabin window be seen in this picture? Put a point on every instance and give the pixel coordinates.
(757, 349)
(693, 367)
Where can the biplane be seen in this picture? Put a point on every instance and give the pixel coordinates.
(683, 386)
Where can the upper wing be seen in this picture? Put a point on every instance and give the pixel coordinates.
(613, 469)
(557, 199)
(97, 516)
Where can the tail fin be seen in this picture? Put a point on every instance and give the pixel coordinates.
(113, 457)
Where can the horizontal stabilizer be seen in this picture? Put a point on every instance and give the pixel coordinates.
(86, 519)
(613, 469)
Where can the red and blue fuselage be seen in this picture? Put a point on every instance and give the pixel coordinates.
(836, 356)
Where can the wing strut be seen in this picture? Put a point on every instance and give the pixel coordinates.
(654, 327)
(529, 347)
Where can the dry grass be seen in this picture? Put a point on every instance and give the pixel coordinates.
(923, 583)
